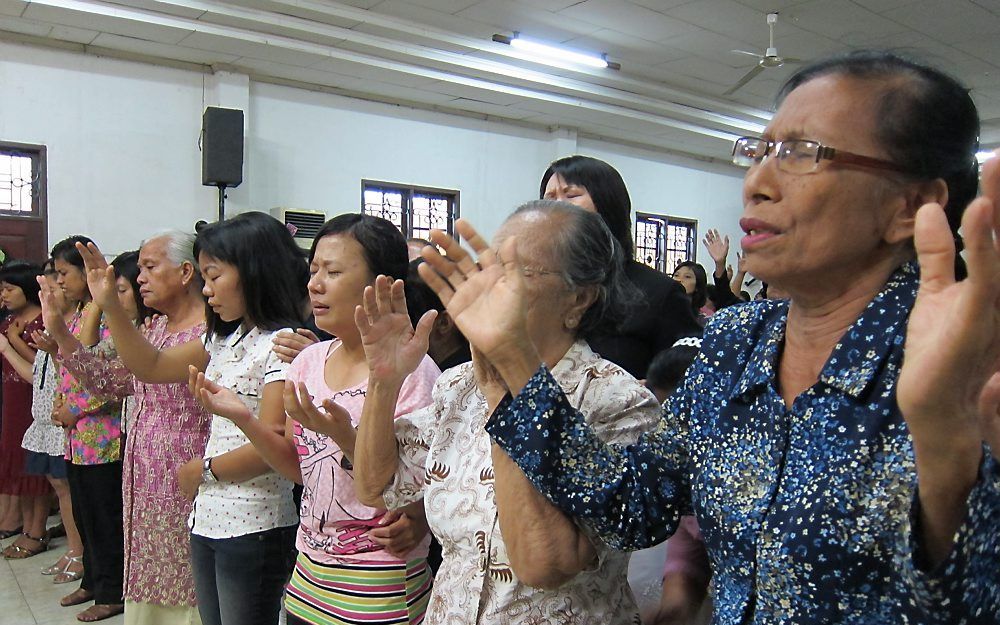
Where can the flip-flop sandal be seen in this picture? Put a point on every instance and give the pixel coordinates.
(76, 597)
(100, 611)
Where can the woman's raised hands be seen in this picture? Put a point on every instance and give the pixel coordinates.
(100, 276)
(392, 346)
(487, 298)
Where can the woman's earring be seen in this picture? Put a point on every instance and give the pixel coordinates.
(571, 322)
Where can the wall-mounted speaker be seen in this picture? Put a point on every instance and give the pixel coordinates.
(222, 147)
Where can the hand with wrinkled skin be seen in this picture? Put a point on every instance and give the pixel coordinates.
(949, 387)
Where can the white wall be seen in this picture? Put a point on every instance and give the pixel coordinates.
(123, 159)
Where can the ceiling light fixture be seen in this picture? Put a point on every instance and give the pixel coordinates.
(546, 53)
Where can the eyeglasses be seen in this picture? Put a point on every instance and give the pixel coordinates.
(801, 156)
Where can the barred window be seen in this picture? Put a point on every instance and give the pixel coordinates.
(22, 181)
(663, 242)
(414, 210)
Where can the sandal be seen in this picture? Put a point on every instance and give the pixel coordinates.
(60, 565)
(100, 611)
(5, 534)
(76, 597)
(66, 576)
(16, 551)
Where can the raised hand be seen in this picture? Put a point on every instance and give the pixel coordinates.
(717, 246)
(287, 345)
(333, 420)
(392, 346)
(741, 262)
(947, 388)
(216, 399)
(486, 299)
(52, 313)
(100, 276)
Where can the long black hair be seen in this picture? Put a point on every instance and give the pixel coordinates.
(606, 188)
(126, 266)
(272, 270)
(927, 121)
(700, 295)
(24, 275)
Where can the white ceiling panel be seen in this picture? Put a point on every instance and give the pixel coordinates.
(445, 6)
(74, 35)
(675, 54)
(627, 18)
(24, 27)
(12, 7)
(104, 23)
(153, 49)
(157, 6)
(253, 49)
(951, 22)
(506, 16)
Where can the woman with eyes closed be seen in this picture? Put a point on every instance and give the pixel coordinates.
(356, 562)
(243, 519)
(831, 446)
(661, 313)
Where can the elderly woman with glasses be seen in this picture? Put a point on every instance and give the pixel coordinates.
(508, 556)
(830, 446)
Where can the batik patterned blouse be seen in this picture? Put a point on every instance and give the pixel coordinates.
(804, 511)
(446, 459)
(96, 437)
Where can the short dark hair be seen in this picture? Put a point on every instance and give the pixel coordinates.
(383, 244)
(272, 269)
(700, 295)
(66, 251)
(22, 274)
(126, 266)
(419, 297)
(927, 121)
(606, 188)
(667, 369)
(589, 255)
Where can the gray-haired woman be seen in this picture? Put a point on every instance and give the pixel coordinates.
(166, 429)
(508, 557)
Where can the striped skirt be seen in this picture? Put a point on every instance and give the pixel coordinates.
(338, 594)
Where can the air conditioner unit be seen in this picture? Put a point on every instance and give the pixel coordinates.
(306, 223)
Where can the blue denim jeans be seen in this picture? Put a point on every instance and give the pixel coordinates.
(240, 581)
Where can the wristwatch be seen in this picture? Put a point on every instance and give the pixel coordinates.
(207, 477)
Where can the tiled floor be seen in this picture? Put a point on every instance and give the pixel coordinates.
(27, 597)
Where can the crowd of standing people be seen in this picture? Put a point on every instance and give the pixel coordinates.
(237, 432)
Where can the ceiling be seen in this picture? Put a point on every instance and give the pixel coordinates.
(676, 56)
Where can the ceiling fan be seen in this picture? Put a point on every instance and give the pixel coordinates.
(770, 58)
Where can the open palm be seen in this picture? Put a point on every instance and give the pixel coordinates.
(100, 276)
(487, 299)
(392, 346)
(953, 336)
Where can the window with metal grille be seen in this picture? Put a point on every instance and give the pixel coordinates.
(414, 210)
(662, 242)
(22, 181)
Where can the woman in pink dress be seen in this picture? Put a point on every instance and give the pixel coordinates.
(166, 428)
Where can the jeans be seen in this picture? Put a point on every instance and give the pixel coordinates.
(240, 581)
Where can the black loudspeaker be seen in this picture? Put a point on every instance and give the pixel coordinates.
(222, 147)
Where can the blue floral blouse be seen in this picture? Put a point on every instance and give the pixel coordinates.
(806, 512)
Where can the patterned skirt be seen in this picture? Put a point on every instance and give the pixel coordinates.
(358, 594)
